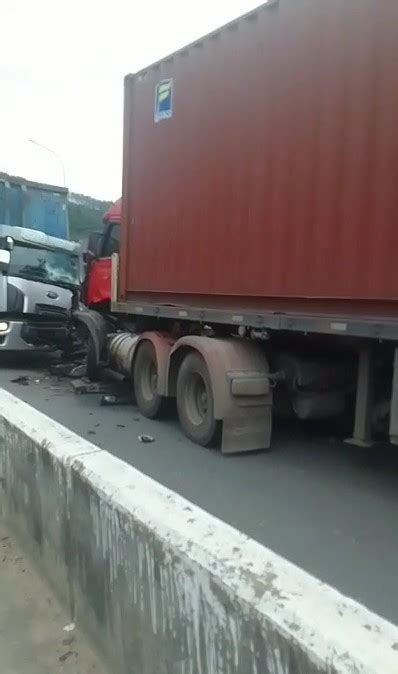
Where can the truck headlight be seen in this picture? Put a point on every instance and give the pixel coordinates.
(3, 326)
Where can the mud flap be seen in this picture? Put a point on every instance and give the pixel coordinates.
(248, 432)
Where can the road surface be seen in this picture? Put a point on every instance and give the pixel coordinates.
(330, 508)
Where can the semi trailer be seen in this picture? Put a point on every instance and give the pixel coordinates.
(257, 269)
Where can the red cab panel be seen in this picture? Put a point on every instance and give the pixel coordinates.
(99, 282)
(114, 214)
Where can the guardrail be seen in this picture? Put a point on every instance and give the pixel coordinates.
(163, 586)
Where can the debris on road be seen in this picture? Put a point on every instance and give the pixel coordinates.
(23, 380)
(116, 399)
(83, 386)
(146, 438)
(73, 370)
(109, 400)
(78, 371)
(63, 369)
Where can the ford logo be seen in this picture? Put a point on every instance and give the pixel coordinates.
(52, 295)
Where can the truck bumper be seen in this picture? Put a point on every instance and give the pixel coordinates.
(22, 336)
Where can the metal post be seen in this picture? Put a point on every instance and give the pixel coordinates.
(394, 402)
(364, 403)
(3, 292)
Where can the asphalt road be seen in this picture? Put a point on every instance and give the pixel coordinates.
(330, 508)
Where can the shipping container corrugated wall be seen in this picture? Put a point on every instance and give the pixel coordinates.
(262, 161)
(24, 203)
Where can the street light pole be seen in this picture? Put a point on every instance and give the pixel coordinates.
(44, 147)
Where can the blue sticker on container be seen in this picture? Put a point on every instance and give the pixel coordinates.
(164, 100)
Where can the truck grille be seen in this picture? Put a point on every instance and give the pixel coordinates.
(51, 312)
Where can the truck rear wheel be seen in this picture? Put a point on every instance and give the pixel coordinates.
(149, 402)
(195, 401)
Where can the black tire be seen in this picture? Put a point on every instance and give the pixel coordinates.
(195, 402)
(149, 402)
(92, 359)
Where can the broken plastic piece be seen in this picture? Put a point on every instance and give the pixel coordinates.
(146, 438)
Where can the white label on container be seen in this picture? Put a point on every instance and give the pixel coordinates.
(164, 100)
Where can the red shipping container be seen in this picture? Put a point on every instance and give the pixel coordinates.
(261, 164)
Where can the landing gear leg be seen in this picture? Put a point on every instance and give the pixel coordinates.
(362, 436)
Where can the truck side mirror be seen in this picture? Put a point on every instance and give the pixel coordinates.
(5, 258)
(94, 245)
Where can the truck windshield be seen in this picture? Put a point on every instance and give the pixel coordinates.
(56, 267)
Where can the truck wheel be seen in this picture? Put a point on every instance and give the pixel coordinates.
(149, 402)
(195, 401)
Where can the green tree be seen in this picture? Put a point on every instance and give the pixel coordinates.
(85, 216)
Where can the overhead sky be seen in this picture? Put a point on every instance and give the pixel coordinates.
(62, 64)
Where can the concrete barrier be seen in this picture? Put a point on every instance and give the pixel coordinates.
(165, 587)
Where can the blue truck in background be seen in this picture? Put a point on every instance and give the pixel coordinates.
(32, 205)
(40, 268)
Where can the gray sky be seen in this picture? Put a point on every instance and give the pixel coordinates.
(62, 64)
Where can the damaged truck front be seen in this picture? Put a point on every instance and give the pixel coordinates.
(40, 277)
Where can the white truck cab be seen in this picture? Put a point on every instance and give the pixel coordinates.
(40, 278)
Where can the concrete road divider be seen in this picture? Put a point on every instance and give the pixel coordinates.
(164, 587)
